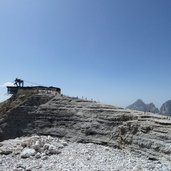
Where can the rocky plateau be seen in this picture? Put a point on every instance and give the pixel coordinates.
(73, 120)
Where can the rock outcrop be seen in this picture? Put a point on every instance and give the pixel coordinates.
(166, 108)
(37, 146)
(141, 106)
(84, 121)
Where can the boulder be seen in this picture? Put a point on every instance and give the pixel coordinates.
(5, 151)
(28, 152)
(53, 150)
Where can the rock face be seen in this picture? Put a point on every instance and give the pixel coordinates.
(84, 121)
(166, 108)
(141, 106)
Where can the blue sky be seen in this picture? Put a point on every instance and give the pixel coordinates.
(114, 51)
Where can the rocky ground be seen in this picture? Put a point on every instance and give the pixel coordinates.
(47, 153)
(98, 136)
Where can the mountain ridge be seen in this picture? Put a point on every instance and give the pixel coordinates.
(141, 106)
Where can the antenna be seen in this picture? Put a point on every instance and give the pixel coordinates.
(32, 83)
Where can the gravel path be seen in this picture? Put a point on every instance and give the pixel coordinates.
(82, 157)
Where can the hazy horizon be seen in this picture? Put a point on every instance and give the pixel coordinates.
(114, 51)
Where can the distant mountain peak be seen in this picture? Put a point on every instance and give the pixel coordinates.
(166, 108)
(141, 106)
(139, 101)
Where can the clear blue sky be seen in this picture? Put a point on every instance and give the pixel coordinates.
(114, 51)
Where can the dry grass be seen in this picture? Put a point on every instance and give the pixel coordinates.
(14, 101)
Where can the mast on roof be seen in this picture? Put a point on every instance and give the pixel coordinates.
(19, 82)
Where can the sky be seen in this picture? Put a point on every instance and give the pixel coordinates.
(114, 51)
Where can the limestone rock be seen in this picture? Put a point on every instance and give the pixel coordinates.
(83, 121)
(38, 156)
(5, 150)
(82, 157)
(53, 150)
(27, 152)
(137, 168)
(46, 146)
(64, 143)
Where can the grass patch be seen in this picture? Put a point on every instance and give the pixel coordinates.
(14, 101)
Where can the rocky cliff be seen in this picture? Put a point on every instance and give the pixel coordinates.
(78, 120)
(141, 106)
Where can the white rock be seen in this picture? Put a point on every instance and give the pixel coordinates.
(18, 169)
(53, 150)
(17, 150)
(5, 150)
(37, 143)
(59, 145)
(37, 146)
(38, 156)
(89, 157)
(27, 152)
(107, 149)
(24, 144)
(49, 137)
(20, 165)
(51, 147)
(47, 152)
(46, 146)
(28, 169)
(137, 168)
(44, 157)
(64, 143)
(43, 154)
